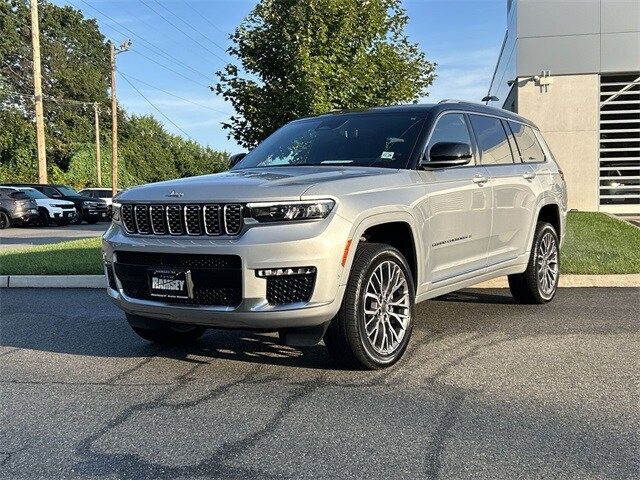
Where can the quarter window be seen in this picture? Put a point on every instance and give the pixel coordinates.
(451, 127)
(530, 149)
(492, 140)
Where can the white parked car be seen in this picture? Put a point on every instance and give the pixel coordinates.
(60, 212)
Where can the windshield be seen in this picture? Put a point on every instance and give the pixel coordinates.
(32, 193)
(67, 191)
(351, 140)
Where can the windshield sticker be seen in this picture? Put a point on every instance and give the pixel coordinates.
(388, 155)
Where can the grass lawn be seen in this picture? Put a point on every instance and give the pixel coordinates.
(595, 244)
(598, 244)
(77, 257)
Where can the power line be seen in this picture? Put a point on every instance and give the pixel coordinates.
(191, 27)
(172, 94)
(204, 17)
(156, 108)
(182, 31)
(145, 41)
(169, 69)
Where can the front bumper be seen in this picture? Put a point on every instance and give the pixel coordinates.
(312, 244)
(95, 213)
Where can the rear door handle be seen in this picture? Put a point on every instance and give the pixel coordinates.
(528, 175)
(480, 179)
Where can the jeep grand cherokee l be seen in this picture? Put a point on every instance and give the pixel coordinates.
(335, 226)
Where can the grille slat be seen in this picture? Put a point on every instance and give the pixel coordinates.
(232, 219)
(211, 217)
(156, 214)
(191, 219)
(141, 215)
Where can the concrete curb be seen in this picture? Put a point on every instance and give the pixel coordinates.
(99, 281)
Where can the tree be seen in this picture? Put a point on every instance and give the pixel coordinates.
(305, 57)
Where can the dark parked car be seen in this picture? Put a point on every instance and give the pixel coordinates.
(16, 208)
(91, 210)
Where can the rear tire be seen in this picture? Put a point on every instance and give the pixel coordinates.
(539, 282)
(164, 333)
(374, 323)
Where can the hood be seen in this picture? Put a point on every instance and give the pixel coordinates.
(53, 201)
(249, 185)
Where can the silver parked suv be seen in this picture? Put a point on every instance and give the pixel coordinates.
(335, 226)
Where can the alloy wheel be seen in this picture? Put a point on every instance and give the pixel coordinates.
(547, 264)
(386, 308)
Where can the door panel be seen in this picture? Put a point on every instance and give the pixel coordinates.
(458, 221)
(514, 201)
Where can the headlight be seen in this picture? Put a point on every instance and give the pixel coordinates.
(115, 212)
(290, 211)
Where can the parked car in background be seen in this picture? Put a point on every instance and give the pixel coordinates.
(16, 208)
(91, 210)
(336, 225)
(101, 193)
(60, 212)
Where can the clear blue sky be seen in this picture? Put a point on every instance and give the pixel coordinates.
(462, 36)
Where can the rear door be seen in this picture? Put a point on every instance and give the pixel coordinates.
(513, 188)
(459, 208)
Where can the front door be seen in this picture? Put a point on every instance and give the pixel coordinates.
(458, 209)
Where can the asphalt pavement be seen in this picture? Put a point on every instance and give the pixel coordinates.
(17, 237)
(488, 390)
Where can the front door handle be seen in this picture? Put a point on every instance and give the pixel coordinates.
(528, 175)
(480, 179)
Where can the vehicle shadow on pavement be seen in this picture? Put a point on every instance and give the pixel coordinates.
(477, 296)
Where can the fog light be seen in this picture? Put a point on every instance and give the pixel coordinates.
(279, 272)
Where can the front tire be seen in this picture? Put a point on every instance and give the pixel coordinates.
(164, 333)
(4, 221)
(539, 282)
(374, 323)
(44, 217)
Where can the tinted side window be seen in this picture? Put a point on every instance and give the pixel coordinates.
(451, 127)
(530, 149)
(48, 191)
(492, 140)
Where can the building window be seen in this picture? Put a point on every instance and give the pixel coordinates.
(620, 142)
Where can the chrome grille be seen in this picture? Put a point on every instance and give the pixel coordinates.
(192, 219)
(141, 215)
(233, 219)
(211, 217)
(156, 214)
(127, 218)
(175, 219)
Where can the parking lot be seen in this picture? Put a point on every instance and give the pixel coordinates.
(489, 389)
(16, 237)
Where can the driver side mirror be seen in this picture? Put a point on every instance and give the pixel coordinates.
(447, 154)
(234, 159)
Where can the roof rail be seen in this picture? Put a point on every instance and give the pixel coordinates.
(453, 100)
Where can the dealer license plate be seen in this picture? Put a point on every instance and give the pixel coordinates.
(170, 283)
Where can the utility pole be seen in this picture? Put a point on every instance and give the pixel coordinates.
(96, 112)
(37, 92)
(114, 113)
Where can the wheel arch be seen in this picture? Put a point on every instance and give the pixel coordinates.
(396, 229)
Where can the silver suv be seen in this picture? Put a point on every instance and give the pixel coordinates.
(336, 225)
